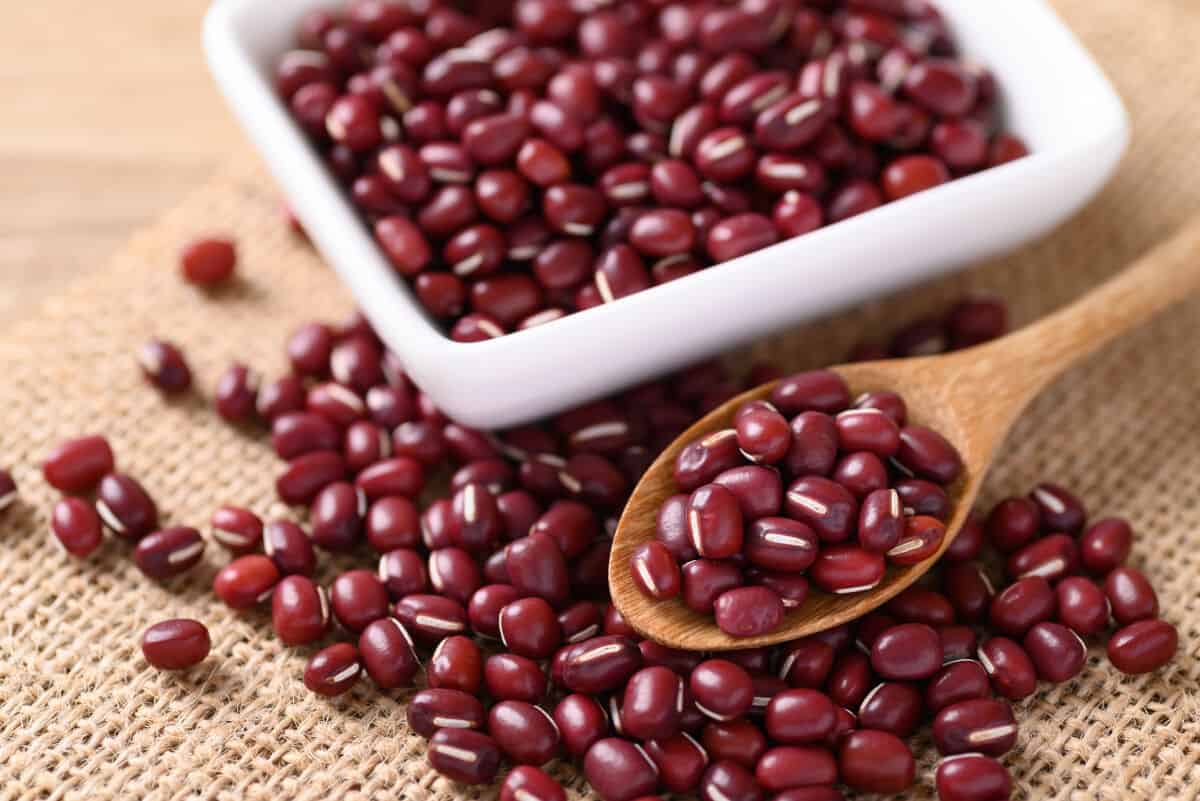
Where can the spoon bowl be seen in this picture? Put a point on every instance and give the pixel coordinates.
(971, 397)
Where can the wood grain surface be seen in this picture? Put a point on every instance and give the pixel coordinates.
(109, 119)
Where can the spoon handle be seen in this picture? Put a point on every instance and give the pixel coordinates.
(1032, 357)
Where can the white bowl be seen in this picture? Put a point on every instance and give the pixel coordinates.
(1056, 98)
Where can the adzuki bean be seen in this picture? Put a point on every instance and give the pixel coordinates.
(176, 644)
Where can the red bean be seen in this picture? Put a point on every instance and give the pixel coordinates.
(581, 722)
(655, 571)
(125, 508)
(748, 611)
(208, 262)
(463, 755)
(853, 198)
(729, 780)
(921, 538)
(237, 529)
(788, 767)
(536, 567)
(738, 741)
(892, 706)
(1105, 545)
(176, 644)
(780, 543)
(169, 552)
(580, 621)
(980, 724)
(842, 569)
(814, 443)
(429, 618)
(942, 86)
(908, 652)
(76, 526)
(714, 522)
(454, 574)
(1052, 558)
(399, 475)
(619, 272)
(680, 760)
(358, 597)
(1006, 148)
(825, 505)
(289, 548)
(1013, 523)
(972, 777)
(861, 473)
(1021, 605)
(738, 235)
(762, 432)
(917, 604)
(704, 580)
(308, 474)
(1143, 646)
(961, 680)
(850, 680)
(703, 460)
(333, 670)
(800, 717)
(529, 627)
(958, 642)
(572, 526)
(1130, 596)
(619, 770)
(652, 704)
(387, 653)
(880, 520)
(527, 783)
(811, 793)
(976, 320)
(246, 581)
(525, 733)
(433, 709)
(806, 663)
(722, 690)
(875, 762)
(969, 591)
(1081, 605)
(456, 664)
(1009, 667)
(280, 397)
(600, 664)
(300, 611)
(75, 466)
(969, 542)
(165, 366)
(1057, 652)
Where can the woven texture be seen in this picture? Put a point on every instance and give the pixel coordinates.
(83, 717)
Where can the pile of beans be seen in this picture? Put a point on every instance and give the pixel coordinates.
(864, 490)
(490, 598)
(520, 161)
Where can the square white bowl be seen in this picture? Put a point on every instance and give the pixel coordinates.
(1055, 97)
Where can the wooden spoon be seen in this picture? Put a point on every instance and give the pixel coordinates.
(972, 397)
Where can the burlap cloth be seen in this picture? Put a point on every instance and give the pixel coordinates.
(83, 717)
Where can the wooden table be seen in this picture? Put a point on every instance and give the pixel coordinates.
(109, 118)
